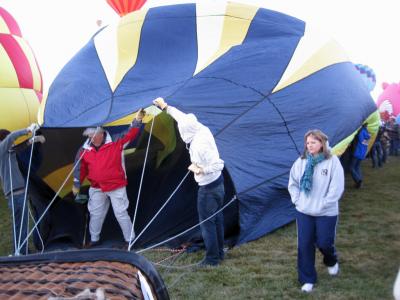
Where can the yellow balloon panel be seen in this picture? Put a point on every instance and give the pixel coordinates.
(18, 108)
(56, 179)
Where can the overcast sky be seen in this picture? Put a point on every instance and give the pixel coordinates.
(368, 30)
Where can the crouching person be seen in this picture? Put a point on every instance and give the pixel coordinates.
(102, 162)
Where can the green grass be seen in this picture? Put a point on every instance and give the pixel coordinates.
(368, 242)
(5, 227)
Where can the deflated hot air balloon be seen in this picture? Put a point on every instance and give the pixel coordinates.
(257, 78)
(367, 75)
(20, 78)
(123, 7)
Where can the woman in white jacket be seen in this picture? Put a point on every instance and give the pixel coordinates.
(206, 166)
(316, 184)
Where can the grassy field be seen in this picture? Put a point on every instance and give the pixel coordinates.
(368, 242)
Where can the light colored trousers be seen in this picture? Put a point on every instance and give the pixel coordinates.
(98, 205)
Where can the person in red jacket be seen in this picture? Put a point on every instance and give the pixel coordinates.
(102, 162)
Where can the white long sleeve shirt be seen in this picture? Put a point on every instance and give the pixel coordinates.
(327, 187)
(203, 150)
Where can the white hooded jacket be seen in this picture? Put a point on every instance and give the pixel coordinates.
(203, 150)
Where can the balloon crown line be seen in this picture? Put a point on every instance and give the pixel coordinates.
(363, 69)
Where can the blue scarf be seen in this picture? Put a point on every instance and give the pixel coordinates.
(306, 179)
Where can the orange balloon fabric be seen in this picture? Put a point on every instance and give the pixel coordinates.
(123, 7)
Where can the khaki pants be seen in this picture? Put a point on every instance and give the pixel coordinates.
(98, 205)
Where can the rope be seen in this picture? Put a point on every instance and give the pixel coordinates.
(176, 280)
(51, 202)
(140, 185)
(86, 226)
(178, 267)
(189, 229)
(171, 256)
(55, 196)
(12, 206)
(26, 190)
(159, 211)
(27, 226)
(170, 250)
(38, 232)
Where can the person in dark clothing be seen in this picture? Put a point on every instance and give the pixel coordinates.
(385, 143)
(13, 183)
(377, 150)
(393, 130)
(359, 154)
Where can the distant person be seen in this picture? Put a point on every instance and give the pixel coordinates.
(385, 142)
(377, 150)
(393, 130)
(359, 154)
(316, 184)
(13, 183)
(207, 169)
(103, 164)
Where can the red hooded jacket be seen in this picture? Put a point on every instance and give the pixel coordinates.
(105, 167)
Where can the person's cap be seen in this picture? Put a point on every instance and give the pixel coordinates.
(90, 131)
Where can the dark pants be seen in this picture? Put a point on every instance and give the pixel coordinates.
(209, 200)
(384, 152)
(314, 232)
(18, 207)
(394, 147)
(377, 155)
(355, 169)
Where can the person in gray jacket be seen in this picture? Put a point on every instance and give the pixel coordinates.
(316, 184)
(13, 183)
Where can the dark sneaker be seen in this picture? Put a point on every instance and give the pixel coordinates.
(206, 263)
(92, 244)
(125, 246)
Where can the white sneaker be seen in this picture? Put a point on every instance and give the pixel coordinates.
(307, 287)
(334, 270)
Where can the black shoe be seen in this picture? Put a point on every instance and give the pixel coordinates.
(358, 184)
(125, 246)
(92, 244)
(206, 263)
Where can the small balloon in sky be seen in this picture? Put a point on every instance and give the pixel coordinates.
(123, 7)
(367, 75)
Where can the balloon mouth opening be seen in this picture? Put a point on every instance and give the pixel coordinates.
(66, 224)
